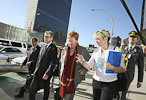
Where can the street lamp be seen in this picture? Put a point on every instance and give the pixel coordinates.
(29, 28)
(33, 19)
(110, 17)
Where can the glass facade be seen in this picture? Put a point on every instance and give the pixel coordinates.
(54, 16)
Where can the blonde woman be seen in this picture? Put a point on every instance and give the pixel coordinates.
(103, 85)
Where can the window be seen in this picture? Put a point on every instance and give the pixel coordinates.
(1, 47)
(16, 44)
(4, 42)
(24, 45)
(11, 50)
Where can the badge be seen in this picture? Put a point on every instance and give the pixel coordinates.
(100, 63)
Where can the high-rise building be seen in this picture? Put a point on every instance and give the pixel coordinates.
(43, 15)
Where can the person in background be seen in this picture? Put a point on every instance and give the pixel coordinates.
(71, 72)
(144, 48)
(134, 55)
(144, 51)
(104, 85)
(56, 70)
(44, 67)
(30, 60)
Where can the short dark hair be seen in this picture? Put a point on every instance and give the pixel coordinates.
(34, 38)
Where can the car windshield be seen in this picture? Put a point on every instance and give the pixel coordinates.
(1, 48)
(89, 49)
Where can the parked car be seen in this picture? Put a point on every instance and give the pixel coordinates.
(18, 60)
(9, 53)
(3, 59)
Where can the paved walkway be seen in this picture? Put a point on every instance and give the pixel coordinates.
(11, 82)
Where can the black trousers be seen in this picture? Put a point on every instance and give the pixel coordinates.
(123, 96)
(27, 84)
(37, 84)
(103, 90)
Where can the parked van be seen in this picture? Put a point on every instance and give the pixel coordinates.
(11, 43)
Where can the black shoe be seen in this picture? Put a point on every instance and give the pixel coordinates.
(20, 95)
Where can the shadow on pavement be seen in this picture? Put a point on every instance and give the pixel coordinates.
(84, 95)
(135, 92)
(85, 83)
(5, 79)
(89, 76)
(22, 74)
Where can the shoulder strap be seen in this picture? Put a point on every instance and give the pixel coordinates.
(121, 47)
(114, 47)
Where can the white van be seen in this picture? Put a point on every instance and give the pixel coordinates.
(11, 43)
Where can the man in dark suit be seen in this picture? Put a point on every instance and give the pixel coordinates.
(135, 56)
(44, 67)
(31, 62)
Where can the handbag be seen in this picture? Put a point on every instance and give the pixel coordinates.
(56, 94)
(122, 81)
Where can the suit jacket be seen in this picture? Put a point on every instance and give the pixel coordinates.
(137, 57)
(32, 57)
(77, 78)
(46, 63)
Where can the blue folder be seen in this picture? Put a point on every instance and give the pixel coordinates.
(114, 58)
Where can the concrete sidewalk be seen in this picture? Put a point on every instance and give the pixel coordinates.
(84, 90)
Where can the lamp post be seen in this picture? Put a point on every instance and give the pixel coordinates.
(110, 17)
(33, 20)
(29, 28)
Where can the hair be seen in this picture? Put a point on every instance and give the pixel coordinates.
(102, 34)
(49, 32)
(34, 39)
(73, 34)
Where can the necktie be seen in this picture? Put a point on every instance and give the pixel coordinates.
(130, 51)
(44, 49)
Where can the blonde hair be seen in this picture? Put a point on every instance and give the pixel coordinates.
(102, 34)
(49, 32)
(73, 34)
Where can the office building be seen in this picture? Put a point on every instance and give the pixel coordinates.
(51, 15)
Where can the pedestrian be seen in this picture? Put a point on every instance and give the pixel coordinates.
(104, 85)
(144, 51)
(44, 67)
(30, 60)
(144, 48)
(135, 56)
(56, 70)
(71, 72)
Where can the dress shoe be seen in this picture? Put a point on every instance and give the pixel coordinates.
(20, 95)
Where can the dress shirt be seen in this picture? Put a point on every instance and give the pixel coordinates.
(48, 44)
(99, 74)
(129, 55)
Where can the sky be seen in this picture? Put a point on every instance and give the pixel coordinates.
(82, 20)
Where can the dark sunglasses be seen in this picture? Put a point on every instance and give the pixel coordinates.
(133, 36)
